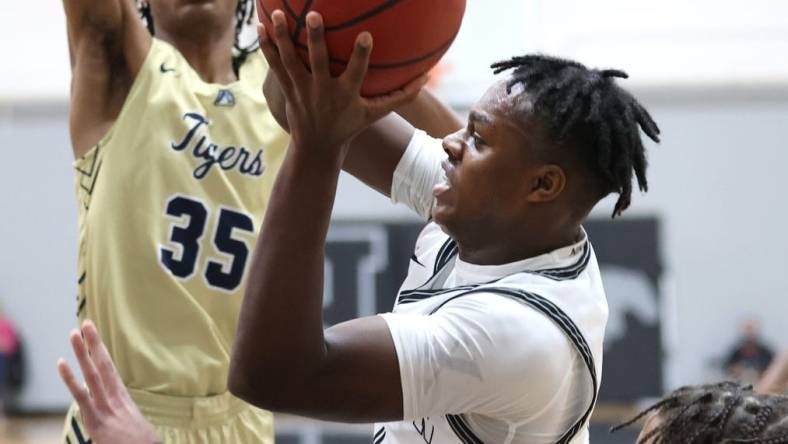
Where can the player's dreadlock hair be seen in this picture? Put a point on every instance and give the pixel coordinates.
(717, 414)
(586, 105)
(243, 16)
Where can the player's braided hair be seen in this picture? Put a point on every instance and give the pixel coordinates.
(587, 105)
(720, 413)
(243, 16)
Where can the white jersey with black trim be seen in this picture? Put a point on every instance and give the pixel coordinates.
(508, 353)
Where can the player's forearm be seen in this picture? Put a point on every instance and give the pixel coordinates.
(428, 113)
(280, 343)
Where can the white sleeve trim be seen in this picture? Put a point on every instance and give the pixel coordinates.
(417, 172)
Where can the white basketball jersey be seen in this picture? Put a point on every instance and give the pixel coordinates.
(477, 383)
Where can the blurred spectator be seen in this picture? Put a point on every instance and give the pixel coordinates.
(9, 357)
(750, 357)
(775, 379)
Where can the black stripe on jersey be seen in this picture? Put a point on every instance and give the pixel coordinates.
(380, 435)
(78, 433)
(418, 295)
(82, 278)
(570, 272)
(82, 305)
(461, 429)
(92, 165)
(90, 176)
(92, 181)
(448, 249)
(442, 259)
(556, 274)
(563, 321)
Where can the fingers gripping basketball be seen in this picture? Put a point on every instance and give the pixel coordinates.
(410, 35)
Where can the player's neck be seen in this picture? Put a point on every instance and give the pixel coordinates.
(209, 55)
(529, 243)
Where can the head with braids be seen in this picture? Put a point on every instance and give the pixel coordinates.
(586, 108)
(218, 16)
(542, 147)
(724, 413)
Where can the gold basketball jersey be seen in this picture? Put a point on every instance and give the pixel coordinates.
(171, 201)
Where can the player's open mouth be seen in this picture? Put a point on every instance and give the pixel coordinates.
(445, 185)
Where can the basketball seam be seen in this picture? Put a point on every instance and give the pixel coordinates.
(289, 10)
(369, 14)
(301, 20)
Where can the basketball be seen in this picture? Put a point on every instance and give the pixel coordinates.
(410, 36)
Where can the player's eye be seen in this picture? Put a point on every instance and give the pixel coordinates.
(477, 139)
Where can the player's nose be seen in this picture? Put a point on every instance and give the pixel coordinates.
(454, 145)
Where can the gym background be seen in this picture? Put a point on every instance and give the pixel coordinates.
(695, 267)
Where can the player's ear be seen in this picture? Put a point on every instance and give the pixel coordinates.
(546, 184)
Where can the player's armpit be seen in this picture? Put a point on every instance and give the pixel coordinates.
(358, 379)
(107, 47)
(105, 21)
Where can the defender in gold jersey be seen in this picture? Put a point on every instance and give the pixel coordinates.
(176, 152)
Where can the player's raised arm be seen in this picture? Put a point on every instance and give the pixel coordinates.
(375, 153)
(107, 46)
(281, 357)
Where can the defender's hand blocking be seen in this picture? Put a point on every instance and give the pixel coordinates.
(108, 412)
(322, 111)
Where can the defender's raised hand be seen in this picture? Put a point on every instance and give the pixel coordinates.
(323, 112)
(108, 412)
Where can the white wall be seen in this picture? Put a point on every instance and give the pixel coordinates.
(666, 42)
(38, 237)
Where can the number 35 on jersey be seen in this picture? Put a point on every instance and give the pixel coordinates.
(193, 227)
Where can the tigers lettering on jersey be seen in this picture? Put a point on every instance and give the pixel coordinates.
(225, 157)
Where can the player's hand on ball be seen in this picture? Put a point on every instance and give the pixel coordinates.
(323, 111)
(108, 412)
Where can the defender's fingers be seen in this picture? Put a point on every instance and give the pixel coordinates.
(101, 359)
(294, 66)
(379, 106)
(359, 62)
(89, 371)
(318, 53)
(274, 60)
(78, 391)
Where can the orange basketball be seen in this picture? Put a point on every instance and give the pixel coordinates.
(410, 35)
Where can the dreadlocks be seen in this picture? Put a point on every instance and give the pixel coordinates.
(586, 105)
(243, 17)
(717, 414)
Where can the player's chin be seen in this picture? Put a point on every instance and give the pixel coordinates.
(443, 214)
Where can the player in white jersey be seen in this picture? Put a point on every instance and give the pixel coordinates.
(496, 334)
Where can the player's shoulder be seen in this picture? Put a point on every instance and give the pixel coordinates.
(501, 312)
(515, 333)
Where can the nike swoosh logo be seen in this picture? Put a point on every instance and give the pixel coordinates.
(164, 69)
(416, 260)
